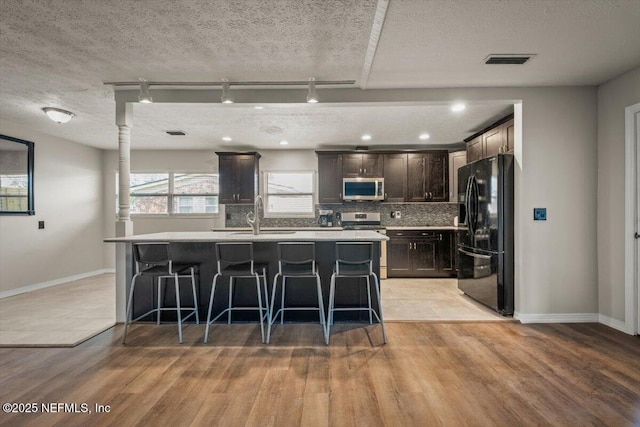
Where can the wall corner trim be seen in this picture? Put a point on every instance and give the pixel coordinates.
(557, 318)
(55, 282)
(615, 324)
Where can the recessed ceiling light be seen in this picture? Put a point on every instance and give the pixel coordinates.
(424, 136)
(258, 107)
(226, 138)
(458, 107)
(366, 137)
(284, 143)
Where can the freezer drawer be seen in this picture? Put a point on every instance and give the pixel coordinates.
(481, 278)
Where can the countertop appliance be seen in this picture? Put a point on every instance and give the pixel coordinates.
(325, 217)
(368, 221)
(485, 238)
(362, 189)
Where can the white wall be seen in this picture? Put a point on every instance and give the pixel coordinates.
(68, 197)
(613, 97)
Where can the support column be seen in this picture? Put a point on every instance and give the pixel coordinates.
(124, 226)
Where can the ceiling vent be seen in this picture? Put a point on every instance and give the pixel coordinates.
(175, 132)
(508, 59)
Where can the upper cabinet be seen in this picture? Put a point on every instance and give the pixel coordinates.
(408, 177)
(456, 160)
(238, 177)
(395, 177)
(366, 165)
(497, 138)
(428, 177)
(329, 178)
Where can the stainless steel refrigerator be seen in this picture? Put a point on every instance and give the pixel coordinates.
(485, 239)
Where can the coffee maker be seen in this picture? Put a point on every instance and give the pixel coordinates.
(325, 217)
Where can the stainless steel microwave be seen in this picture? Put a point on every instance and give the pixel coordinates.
(362, 189)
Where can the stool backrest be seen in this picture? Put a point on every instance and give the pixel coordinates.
(151, 254)
(299, 254)
(234, 253)
(354, 255)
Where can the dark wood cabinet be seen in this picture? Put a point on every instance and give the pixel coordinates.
(428, 177)
(330, 178)
(369, 165)
(395, 177)
(238, 177)
(419, 176)
(418, 253)
(493, 140)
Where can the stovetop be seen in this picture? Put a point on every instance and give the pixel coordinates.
(362, 227)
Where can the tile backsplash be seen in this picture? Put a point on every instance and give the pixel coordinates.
(418, 214)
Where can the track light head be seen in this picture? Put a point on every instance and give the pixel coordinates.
(227, 98)
(312, 96)
(144, 96)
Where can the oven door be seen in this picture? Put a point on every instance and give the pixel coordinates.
(479, 277)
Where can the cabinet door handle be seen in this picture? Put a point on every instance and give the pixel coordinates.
(360, 171)
(340, 196)
(409, 245)
(365, 171)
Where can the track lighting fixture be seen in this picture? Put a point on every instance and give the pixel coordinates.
(312, 96)
(227, 98)
(144, 96)
(58, 115)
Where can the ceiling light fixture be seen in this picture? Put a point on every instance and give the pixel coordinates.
(424, 136)
(258, 107)
(144, 96)
(284, 143)
(226, 139)
(58, 115)
(458, 107)
(312, 96)
(227, 98)
(366, 137)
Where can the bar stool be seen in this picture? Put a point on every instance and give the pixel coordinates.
(296, 260)
(152, 260)
(353, 260)
(236, 261)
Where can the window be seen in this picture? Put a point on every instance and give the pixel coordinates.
(173, 193)
(288, 194)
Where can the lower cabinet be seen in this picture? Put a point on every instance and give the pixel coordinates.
(418, 253)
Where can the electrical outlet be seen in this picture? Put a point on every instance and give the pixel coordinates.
(40, 225)
(393, 214)
(398, 215)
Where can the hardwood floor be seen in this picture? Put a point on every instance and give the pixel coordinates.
(428, 374)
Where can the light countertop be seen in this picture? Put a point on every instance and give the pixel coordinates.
(248, 236)
(428, 227)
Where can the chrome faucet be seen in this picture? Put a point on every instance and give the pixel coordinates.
(253, 218)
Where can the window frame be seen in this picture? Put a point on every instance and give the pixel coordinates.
(170, 195)
(314, 196)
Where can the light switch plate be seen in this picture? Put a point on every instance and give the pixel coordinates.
(539, 214)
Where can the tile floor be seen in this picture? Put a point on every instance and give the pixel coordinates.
(431, 300)
(60, 316)
(66, 315)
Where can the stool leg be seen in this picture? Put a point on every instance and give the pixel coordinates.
(195, 297)
(323, 321)
(128, 314)
(331, 302)
(273, 299)
(258, 286)
(178, 311)
(159, 305)
(377, 286)
(230, 300)
(369, 300)
(266, 293)
(284, 284)
(213, 291)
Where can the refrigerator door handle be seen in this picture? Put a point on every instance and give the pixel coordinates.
(471, 254)
(466, 202)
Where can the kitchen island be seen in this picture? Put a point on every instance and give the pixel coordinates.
(199, 248)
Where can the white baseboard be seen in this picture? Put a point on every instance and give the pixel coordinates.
(614, 323)
(48, 284)
(557, 318)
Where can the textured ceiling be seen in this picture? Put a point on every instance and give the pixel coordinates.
(305, 126)
(59, 53)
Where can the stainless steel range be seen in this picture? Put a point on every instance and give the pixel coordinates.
(368, 221)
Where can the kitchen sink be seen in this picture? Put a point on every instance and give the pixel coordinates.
(265, 232)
